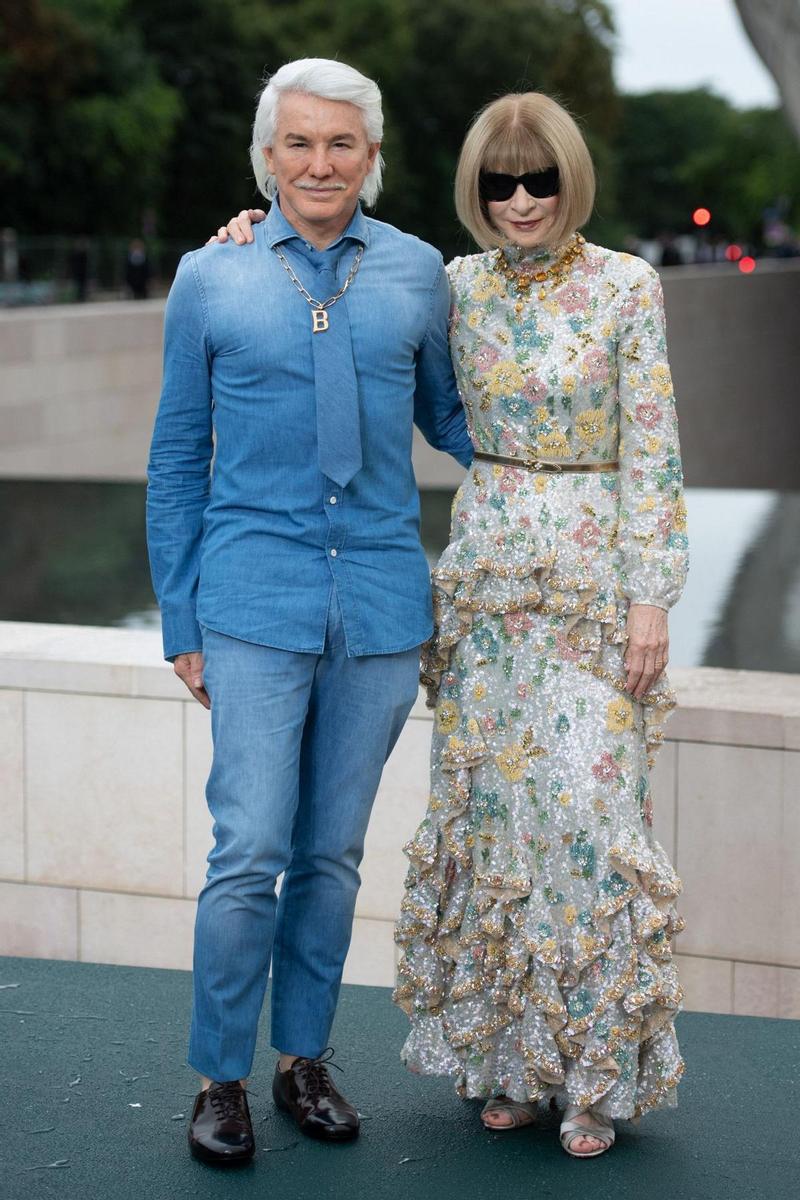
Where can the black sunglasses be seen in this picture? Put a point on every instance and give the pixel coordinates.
(539, 184)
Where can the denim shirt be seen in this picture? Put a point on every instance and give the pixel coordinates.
(253, 545)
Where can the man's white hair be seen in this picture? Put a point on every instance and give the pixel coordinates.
(329, 80)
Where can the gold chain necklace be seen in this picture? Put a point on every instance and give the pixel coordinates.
(555, 275)
(319, 317)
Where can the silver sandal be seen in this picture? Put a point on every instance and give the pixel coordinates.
(573, 1127)
(519, 1112)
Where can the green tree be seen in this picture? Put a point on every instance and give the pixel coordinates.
(680, 150)
(86, 120)
(122, 104)
(212, 53)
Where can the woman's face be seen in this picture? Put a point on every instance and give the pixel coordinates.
(523, 220)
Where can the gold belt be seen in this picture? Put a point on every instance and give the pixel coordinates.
(540, 464)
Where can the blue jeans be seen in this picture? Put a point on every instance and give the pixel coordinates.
(300, 741)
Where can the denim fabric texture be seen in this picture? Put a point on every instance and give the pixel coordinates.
(252, 547)
(300, 741)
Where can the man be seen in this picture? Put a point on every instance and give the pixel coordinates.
(293, 588)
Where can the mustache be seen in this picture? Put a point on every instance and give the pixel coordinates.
(315, 187)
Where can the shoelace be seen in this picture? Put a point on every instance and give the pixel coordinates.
(225, 1099)
(315, 1073)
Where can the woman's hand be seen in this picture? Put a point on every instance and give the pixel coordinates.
(240, 228)
(648, 647)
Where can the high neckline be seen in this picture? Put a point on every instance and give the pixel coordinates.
(541, 257)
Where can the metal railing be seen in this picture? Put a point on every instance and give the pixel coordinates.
(62, 270)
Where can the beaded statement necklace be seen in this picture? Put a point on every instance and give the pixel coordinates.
(523, 281)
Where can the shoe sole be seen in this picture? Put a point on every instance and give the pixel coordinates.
(219, 1160)
(349, 1136)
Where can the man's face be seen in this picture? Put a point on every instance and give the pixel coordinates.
(320, 158)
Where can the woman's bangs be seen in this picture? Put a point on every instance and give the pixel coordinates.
(515, 150)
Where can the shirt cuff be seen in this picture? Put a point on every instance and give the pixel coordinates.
(467, 457)
(180, 632)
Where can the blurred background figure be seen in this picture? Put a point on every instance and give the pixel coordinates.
(9, 256)
(79, 268)
(137, 270)
(780, 240)
(670, 252)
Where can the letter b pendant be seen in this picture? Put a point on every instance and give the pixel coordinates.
(319, 319)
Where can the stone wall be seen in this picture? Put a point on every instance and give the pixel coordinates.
(103, 761)
(79, 384)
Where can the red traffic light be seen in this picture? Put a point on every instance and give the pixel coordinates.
(701, 216)
(747, 265)
(733, 252)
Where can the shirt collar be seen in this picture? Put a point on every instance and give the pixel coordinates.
(278, 229)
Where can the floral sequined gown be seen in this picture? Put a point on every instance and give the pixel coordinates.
(539, 912)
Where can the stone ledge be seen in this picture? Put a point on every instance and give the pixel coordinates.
(80, 312)
(85, 659)
(738, 708)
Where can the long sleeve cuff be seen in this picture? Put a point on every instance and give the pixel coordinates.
(181, 632)
(646, 600)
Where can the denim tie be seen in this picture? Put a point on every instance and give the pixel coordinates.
(338, 424)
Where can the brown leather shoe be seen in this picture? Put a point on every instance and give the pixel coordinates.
(220, 1131)
(306, 1092)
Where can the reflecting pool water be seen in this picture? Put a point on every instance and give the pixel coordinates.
(75, 552)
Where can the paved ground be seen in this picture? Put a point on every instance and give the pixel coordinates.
(94, 1099)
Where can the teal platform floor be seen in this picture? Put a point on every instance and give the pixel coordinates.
(95, 1097)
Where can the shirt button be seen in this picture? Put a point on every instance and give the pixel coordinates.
(333, 500)
(334, 553)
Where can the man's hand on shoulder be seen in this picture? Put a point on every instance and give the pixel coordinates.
(189, 668)
(240, 228)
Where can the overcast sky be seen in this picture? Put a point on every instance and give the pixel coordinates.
(687, 43)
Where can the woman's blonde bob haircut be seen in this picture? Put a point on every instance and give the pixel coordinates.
(520, 132)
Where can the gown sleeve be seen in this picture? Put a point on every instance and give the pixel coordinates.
(652, 523)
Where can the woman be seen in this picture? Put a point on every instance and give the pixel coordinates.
(539, 914)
